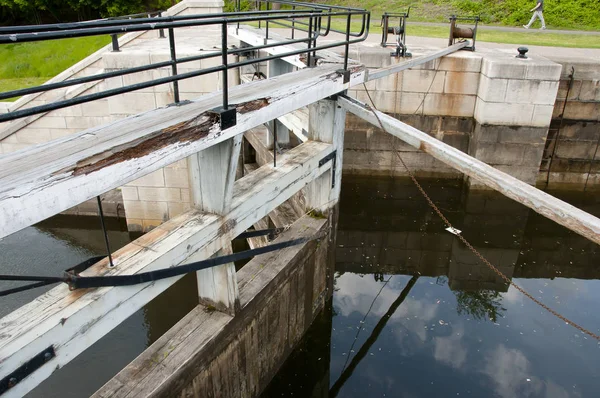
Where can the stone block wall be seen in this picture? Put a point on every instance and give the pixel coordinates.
(164, 193)
(491, 105)
(514, 107)
(438, 98)
(571, 156)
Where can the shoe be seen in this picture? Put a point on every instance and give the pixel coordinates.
(543, 28)
(526, 27)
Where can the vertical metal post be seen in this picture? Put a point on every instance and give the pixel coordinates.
(308, 55)
(275, 143)
(293, 22)
(347, 42)
(259, 7)
(161, 32)
(110, 260)
(224, 59)
(267, 24)
(174, 64)
(115, 43)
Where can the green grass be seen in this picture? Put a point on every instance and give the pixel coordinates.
(523, 38)
(530, 37)
(29, 64)
(569, 14)
(18, 83)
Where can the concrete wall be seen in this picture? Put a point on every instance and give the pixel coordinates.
(574, 159)
(491, 105)
(163, 194)
(211, 354)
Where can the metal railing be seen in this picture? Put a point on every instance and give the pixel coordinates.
(313, 19)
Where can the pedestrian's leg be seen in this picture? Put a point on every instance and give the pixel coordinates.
(530, 21)
(541, 16)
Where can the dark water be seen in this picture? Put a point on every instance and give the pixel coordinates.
(415, 314)
(59, 243)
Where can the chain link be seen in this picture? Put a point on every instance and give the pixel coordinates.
(462, 238)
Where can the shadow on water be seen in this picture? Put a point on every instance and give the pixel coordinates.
(61, 242)
(415, 314)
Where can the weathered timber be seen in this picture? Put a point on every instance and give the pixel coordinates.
(555, 209)
(72, 321)
(326, 123)
(53, 177)
(212, 175)
(256, 37)
(277, 295)
(395, 68)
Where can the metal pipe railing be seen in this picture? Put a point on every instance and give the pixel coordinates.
(317, 19)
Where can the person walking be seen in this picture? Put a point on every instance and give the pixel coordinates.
(537, 13)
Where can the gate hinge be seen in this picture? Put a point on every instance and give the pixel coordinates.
(332, 156)
(26, 369)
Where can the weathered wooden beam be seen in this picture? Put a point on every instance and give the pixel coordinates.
(212, 175)
(297, 123)
(73, 321)
(256, 37)
(44, 180)
(326, 123)
(395, 68)
(182, 353)
(555, 209)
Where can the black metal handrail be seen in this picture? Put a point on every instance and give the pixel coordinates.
(317, 17)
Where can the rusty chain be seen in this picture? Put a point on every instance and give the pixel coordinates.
(462, 238)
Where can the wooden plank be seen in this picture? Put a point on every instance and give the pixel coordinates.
(297, 123)
(44, 180)
(256, 37)
(326, 123)
(72, 321)
(395, 68)
(212, 175)
(176, 352)
(555, 209)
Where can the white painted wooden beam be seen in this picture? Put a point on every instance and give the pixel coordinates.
(73, 321)
(212, 175)
(44, 180)
(256, 37)
(326, 123)
(555, 209)
(395, 68)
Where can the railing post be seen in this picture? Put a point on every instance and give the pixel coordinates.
(115, 43)
(347, 42)
(293, 22)
(308, 54)
(174, 64)
(225, 72)
(161, 32)
(267, 24)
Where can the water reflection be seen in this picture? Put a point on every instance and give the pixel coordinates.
(59, 243)
(416, 314)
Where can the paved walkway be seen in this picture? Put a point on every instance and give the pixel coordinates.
(515, 29)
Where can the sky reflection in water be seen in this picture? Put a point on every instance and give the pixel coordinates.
(440, 340)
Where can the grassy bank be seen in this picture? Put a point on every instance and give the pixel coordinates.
(29, 64)
(567, 14)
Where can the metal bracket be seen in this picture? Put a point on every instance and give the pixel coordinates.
(333, 157)
(345, 74)
(227, 117)
(26, 369)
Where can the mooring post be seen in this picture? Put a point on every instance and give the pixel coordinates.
(212, 174)
(326, 123)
